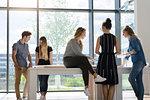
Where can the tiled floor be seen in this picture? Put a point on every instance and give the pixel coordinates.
(128, 95)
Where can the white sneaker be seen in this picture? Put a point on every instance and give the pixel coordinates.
(19, 99)
(87, 92)
(42, 98)
(99, 79)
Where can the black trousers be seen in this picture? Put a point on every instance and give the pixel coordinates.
(82, 63)
(43, 83)
(43, 78)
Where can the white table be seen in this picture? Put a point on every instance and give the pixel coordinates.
(118, 91)
(53, 70)
(96, 92)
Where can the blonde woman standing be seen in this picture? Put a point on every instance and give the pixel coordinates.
(74, 58)
(136, 52)
(44, 56)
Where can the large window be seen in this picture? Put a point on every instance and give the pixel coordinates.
(59, 28)
(3, 3)
(57, 20)
(127, 5)
(3, 50)
(21, 21)
(104, 4)
(75, 4)
(23, 3)
(126, 19)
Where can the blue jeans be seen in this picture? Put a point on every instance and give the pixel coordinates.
(43, 83)
(136, 80)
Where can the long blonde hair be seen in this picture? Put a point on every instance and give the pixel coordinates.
(130, 31)
(43, 53)
(78, 33)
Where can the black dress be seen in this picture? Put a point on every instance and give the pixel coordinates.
(106, 66)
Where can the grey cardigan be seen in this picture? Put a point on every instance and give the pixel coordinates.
(73, 48)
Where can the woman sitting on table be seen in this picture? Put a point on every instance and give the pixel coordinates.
(44, 56)
(73, 58)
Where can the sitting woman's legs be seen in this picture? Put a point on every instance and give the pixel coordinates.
(82, 63)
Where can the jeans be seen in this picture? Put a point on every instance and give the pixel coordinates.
(136, 80)
(43, 83)
(82, 63)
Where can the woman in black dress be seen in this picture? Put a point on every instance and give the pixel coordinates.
(106, 66)
(44, 56)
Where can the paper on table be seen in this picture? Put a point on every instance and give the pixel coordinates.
(120, 56)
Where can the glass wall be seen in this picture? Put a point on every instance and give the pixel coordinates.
(3, 50)
(127, 4)
(57, 20)
(23, 3)
(104, 4)
(59, 27)
(21, 21)
(126, 19)
(74, 4)
(3, 3)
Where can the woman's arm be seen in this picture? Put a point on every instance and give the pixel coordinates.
(97, 46)
(36, 58)
(134, 45)
(117, 46)
(51, 57)
(76, 49)
(30, 59)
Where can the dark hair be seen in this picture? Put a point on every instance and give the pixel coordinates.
(44, 40)
(26, 33)
(107, 23)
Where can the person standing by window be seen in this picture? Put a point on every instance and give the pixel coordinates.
(135, 50)
(20, 52)
(43, 56)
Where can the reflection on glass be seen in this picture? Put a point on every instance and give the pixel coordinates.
(3, 50)
(104, 4)
(99, 18)
(23, 3)
(80, 4)
(127, 5)
(19, 22)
